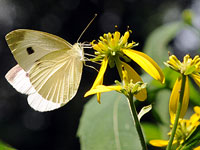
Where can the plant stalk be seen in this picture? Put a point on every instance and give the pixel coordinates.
(177, 113)
(136, 120)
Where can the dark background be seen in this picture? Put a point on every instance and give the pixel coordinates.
(24, 128)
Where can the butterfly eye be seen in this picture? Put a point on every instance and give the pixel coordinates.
(30, 50)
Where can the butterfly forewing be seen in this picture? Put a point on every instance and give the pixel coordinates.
(28, 46)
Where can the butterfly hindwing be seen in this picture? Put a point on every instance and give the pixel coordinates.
(19, 79)
(56, 76)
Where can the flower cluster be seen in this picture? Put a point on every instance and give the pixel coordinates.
(184, 129)
(128, 88)
(189, 67)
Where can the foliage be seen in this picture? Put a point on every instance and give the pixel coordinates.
(108, 125)
(4, 146)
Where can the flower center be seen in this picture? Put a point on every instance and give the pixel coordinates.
(111, 45)
(187, 67)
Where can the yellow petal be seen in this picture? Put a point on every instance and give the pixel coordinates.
(125, 37)
(96, 47)
(147, 63)
(194, 119)
(103, 88)
(197, 148)
(99, 78)
(185, 98)
(158, 143)
(116, 37)
(112, 42)
(197, 110)
(102, 46)
(174, 98)
(196, 78)
(132, 75)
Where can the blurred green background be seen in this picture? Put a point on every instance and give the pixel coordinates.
(21, 126)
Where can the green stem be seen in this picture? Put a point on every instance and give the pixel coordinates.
(137, 123)
(177, 113)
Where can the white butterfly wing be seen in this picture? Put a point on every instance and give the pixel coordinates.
(37, 102)
(28, 46)
(56, 78)
(19, 79)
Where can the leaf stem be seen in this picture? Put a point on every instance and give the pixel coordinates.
(136, 120)
(177, 113)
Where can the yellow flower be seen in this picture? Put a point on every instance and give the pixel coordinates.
(110, 48)
(128, 87)
(184, 129)
(189, 67)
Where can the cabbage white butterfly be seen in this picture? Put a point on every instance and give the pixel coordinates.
(49, 68)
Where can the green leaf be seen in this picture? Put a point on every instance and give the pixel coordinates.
(156, 45)
(152, 131)
(162, 108)
(4, 146)
(162, 104)
(108, 126)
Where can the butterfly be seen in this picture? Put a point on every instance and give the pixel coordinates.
(49, 68)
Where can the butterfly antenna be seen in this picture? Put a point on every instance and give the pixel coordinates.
(87, 27)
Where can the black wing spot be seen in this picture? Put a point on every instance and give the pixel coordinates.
(30, 50)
